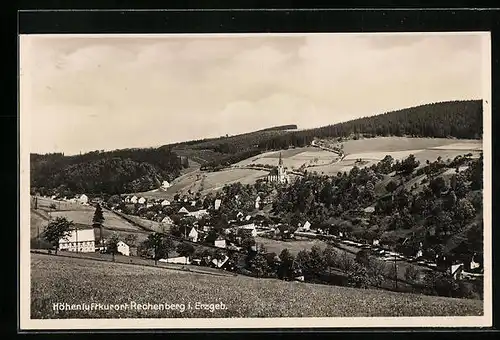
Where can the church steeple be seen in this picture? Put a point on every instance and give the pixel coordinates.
(280, 162)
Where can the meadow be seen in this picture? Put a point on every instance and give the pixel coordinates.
(76, 281)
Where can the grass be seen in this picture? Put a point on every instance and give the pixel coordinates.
(111, 221)
(77, 281)
(391, 144)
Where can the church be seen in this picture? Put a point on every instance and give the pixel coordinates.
(278, 174)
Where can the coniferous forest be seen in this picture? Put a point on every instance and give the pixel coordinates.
(136, 170)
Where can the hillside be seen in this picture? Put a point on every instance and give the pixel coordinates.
(79, 280)
(140, 170)
(453, 119)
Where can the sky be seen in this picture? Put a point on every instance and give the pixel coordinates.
(86, 93)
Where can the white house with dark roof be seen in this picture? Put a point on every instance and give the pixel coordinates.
(83, 199)
(183, 210)
(217, 204)
(123, 248)
(198, 214)
(220, 243)
(141, 200)
(165, 185)
(167, 220)
(134, 199)
(165, 203)
(81, 239)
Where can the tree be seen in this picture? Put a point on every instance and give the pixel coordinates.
(408, 165)
(346, 262)
(358, 277)
(57, 229)
(464, 211)
(247, 243)
(437, 185)
(391, 186)
(112, 245)
(185, 249)
(362, 257)
(285, 270)
(160, 244)
(411, 274)
(259, 265)
(330, 256)
(131, 240)
(114, 200)
(98, 219)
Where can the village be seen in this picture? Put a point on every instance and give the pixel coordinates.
(195, 223)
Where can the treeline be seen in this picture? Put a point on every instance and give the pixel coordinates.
(281, 127)
(113, 172)
(458, 119)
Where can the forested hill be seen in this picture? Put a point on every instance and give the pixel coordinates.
(119, 171)
(458, 119)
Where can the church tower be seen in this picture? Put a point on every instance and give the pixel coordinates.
(281, 170)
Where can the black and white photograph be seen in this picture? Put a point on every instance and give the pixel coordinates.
(255, 180)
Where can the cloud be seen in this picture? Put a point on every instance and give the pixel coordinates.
(110, 92)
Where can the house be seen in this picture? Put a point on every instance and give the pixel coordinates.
(178, 260)
(369, 210)
(149, 205)
(123, 248)
(83, 199)
(376, 242)
(134, 199)
(239, 215)
(220, 242)
(190, 233)
(248, 218)
(248, 230)
(217, 204)
(198, 214)
(80, 239)
(165, 185)
(165, 203)
(141, 200)
(474, 265)
(193, 203)
(183, 210)
(456, 270)
(419, 254)
(257, 202)
(218, 263)
(306, 226)
(167, 220)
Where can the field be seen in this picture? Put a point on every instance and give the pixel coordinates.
(294, 247)
(77, 213)
(372, 150)
(72, 281)
(111, 221)
(293, 158)
(207, 181)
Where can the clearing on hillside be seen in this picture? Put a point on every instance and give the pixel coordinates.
(73, 281)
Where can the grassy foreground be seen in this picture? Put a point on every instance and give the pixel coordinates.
(81, 281)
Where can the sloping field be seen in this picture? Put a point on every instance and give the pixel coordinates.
(208, 181)
(403, 143)
(371, 151)
(77, 281)
(111, 221)
(45, 203)
(293, 158)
